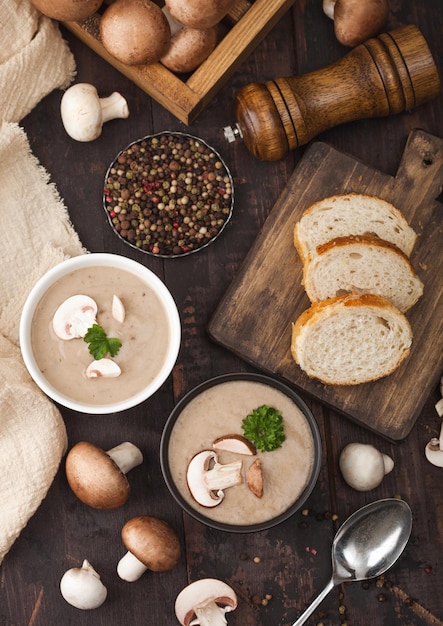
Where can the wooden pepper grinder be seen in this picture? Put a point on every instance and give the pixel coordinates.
(388, 74)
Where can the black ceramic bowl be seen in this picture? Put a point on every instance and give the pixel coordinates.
(168, 195)
(216, 408)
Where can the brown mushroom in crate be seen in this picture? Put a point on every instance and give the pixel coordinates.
(188, 49)
(234, 443)
(199, 13)
(135, 32)
(205, 602)
(67, 10)
(98, 478)
(356, 20)
(207, 478)
(151, 543)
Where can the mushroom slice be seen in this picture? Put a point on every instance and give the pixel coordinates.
(434, 453)
(234, 443)
(207, 478)
(205, 602)
(434, 450)
(118, 309)
(74, 316)
(104, 368)
(254, 479)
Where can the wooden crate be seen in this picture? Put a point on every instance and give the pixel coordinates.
(185, 97)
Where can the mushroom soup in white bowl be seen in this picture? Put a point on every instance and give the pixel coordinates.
(221, 474)
(99, 333)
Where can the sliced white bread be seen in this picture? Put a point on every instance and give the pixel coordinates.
(351, 214)
(351, 339)
(361, 264)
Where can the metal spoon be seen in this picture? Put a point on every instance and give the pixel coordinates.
(366, 545)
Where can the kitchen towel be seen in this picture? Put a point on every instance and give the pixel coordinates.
(35, 234)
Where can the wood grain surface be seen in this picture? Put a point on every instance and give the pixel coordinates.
(276, 572)
(255, 316)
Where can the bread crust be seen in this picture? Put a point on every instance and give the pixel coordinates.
(347, 226)
(319, 312)
(362, 264)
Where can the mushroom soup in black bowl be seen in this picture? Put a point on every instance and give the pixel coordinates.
(221, 474)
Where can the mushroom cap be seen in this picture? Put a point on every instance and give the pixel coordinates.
(203, 592)
(362, 466)
(189, 47)
(67, 10)
(152, 541)
(135, 31)
(355, 21)
(81, 587)
(199, 13)
(95, 478)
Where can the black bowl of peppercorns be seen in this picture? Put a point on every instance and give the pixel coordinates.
(168, 194)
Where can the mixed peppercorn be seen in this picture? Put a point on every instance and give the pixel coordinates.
(168, 194)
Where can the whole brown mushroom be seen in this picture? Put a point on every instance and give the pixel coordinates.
(355, 21)
(151, 544)
(98, 478)
(135, 32)
(189, 47)
(67, 10)
(199, 13)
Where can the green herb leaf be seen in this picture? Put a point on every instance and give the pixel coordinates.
(264, 428)
(100, 344)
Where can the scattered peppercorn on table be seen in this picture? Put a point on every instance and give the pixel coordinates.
(277, 572)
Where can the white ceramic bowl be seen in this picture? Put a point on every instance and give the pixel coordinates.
(171, 319)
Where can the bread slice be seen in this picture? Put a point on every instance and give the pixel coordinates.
(361, 264)
(352, 214)
(351, 339)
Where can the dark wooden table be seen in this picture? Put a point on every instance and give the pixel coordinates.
(291, 561)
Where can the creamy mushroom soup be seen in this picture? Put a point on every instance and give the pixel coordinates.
(219, 411)
(144, 335)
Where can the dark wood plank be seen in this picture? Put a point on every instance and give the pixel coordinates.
(254, 318)
(63, 531)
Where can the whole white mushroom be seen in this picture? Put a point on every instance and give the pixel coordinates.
(83, 112)
(81, 587)
(363, 466)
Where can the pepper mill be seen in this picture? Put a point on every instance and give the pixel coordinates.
(385, 75)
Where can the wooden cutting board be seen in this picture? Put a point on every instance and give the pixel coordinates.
(254, 318)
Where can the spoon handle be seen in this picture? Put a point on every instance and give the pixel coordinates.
(314, 604)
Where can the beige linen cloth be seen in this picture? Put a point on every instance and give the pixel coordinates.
(34, 60)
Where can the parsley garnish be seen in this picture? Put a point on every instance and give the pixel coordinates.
(100, 344)
(264, 428)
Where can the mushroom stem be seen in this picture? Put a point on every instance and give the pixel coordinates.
(114, 107)
(130, 568)
(223, 476)
(210, 614)
(328, 8)
(126, 456)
